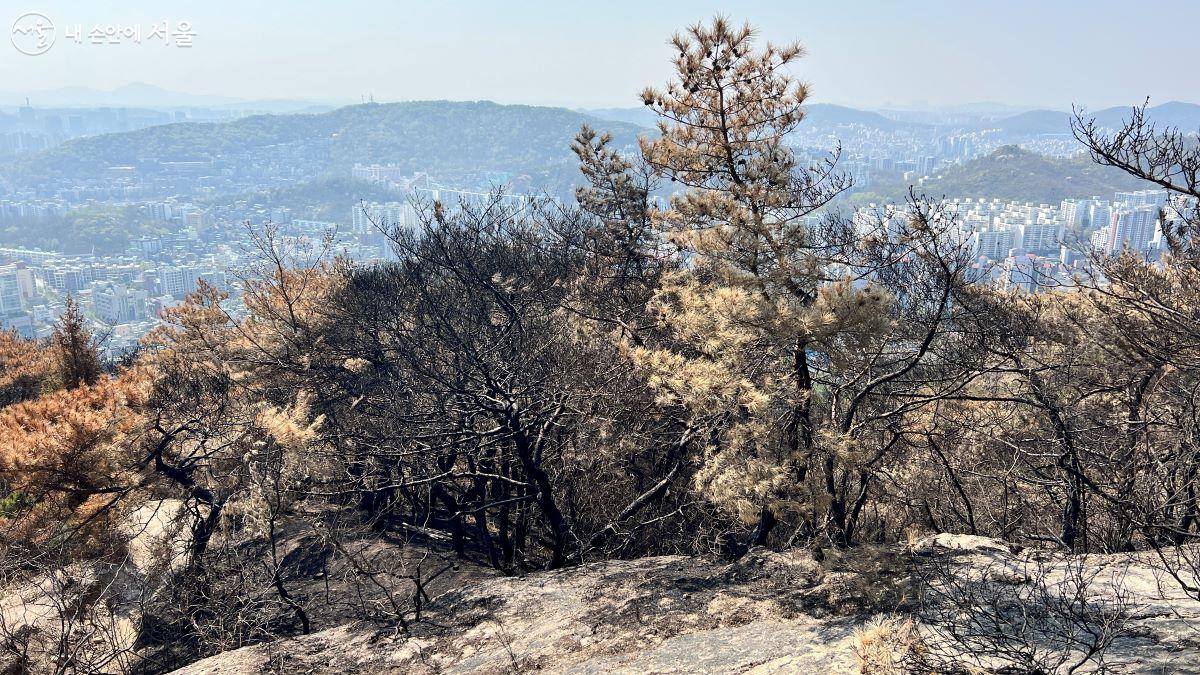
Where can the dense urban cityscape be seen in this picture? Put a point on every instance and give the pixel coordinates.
(203, 211)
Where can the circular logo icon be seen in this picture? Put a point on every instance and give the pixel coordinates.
(33, 33)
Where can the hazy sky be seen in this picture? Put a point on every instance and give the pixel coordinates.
(1047, 53)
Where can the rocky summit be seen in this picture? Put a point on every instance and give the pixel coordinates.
(766, 613)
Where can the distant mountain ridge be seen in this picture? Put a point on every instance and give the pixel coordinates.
(143, 95)
(828, 113)
(815, 113)
(467, 143)
(1030, 122)
(641, 116)
(448, 139)
(1185, 116)
(1012, 173)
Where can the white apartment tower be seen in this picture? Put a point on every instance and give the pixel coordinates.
(1132, 228)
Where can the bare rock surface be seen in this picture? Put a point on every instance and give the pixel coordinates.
(946, 541)
(662, 615)
(55, 605)
(768, 613)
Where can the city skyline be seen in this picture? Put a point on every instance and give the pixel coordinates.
(934, 54)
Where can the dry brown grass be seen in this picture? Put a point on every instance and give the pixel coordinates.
(887, 645)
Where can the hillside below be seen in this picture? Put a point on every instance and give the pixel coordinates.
(452, 140)
(1013, 173)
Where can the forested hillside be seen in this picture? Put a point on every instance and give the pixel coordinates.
(447, 139)
(1012, 173)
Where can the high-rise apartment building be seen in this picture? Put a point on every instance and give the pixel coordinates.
(1132, 228)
